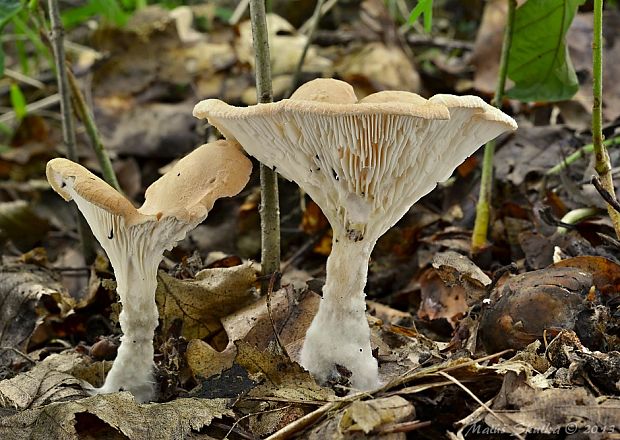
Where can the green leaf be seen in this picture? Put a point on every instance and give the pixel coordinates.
(423, 7)
(8, 8)
(109, 10)
(539, 63)
(18, 102)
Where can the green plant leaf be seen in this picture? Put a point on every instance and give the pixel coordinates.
(110, 10)
(1, 60)
(423, 7)
(18, 101)
(8, 8)
(539, 63)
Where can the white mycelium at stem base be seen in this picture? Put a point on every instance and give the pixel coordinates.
(135, 240)
(364, 163)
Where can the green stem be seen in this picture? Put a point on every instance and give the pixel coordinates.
(483, 208)
(316, 18)
(91, 129)
(575, 216)
(269, 208)
(602, 163)
(68, 127)
(581, 153)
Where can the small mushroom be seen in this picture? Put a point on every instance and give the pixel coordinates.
(135, 240)
(364, 163)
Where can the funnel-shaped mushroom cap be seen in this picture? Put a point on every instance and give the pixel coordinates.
(365, 163)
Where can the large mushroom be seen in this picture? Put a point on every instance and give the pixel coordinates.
(135, 240)
(364, 163)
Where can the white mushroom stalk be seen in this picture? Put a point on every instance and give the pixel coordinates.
(135, 240)
(365, 164)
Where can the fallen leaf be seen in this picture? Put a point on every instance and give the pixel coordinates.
(29, 295)
(48, 381)
(119, 414)
(369, 415)
(458, 270)
(202, 302)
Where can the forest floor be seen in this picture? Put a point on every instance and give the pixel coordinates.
(519, 340)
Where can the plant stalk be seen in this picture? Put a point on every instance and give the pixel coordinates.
(581, 153)
(483, 208)
(602, 163)
(68, 126)
(270, 206)
(316, 18)
(93, 133)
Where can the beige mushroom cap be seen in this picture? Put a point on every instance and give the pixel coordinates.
(191, 187)
(62, 172)
(364, 162)
(187, 192)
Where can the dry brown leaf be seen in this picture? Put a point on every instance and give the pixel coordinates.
(369, 415)
(375, 67)
(280, 376)
(550, 410)
(29, 294)
(458, 270)
(114, 415)
(49, 381)
(201, 303)
(285, 48)
(438, 300)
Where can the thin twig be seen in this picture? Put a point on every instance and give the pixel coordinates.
(93, 133)
(269, 207)
(267, 411)
(482, 404)
(611, 200)
(238, 12)
(19, 353)
(33, 107)
(18, 76)
(274, 278)
(314, 23)
(324, 10)
(68, 126)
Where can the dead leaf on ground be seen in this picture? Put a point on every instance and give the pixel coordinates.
(550, 410)
(29, 295)
(114, 415)
(280, 376)
(375, 67)
(458, 270)
(438, 300)
(21, 224)
(605, 273)
(201, 303)
(369, 415)
(49, 381)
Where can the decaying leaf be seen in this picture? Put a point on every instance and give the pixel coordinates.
(201, 303)
(375, 67)
(280, 376)
(285, 45)
(368, 415)
(113, 415)
(438, 300)
(49, 381)
(456, 269)
(550, 410)
(28, 294)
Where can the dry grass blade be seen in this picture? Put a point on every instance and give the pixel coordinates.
(482, 404)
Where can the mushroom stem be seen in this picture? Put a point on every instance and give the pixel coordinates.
(133, 367)
(339, 333)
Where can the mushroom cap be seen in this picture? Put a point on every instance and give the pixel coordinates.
(62, 172)
(187, 192)
(191, 187)
(364, 163)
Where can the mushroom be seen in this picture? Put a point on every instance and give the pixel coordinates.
(135, 239)
(365, 164)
